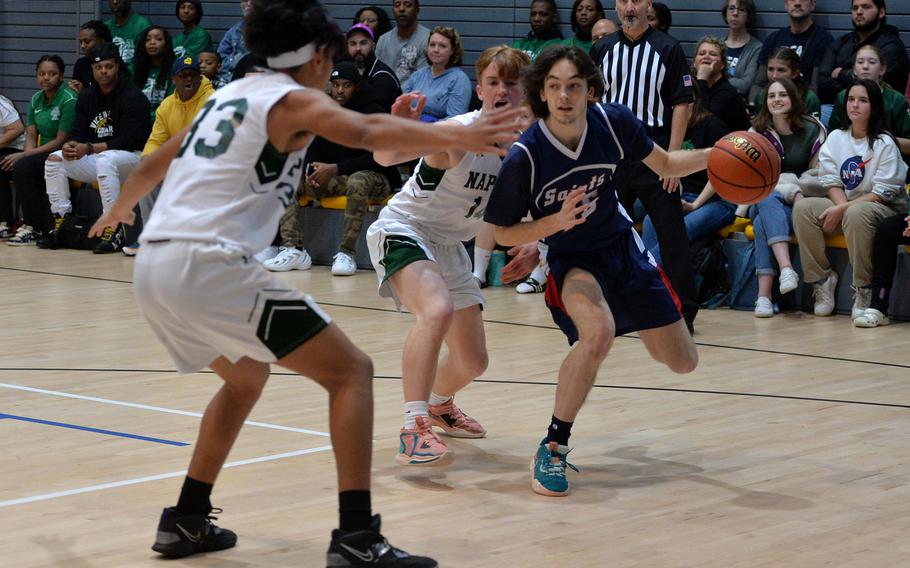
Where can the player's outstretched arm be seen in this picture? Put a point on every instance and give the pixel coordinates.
(144, 178)
(410, 105)
(679, 163)
(311, 111)
(572, 213)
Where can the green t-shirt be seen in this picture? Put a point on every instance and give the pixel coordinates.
(193, 43)
(153, 92)
(895, 107)
(125, 36)
(49, 117)
(533, 46)
(579, 43)
(810, 101)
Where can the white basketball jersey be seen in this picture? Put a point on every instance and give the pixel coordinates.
(449, 203)
(228, 184)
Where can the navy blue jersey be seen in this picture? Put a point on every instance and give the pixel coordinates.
(539, 172)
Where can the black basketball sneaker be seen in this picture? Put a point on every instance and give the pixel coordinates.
(180, 535)
(370, 548)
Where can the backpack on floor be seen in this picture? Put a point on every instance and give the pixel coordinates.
(73, 232)
(709, 266)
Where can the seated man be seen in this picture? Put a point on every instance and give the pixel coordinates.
(91, 33)
(210, 68)
(379, 78)
(111, 126)
(336, 170)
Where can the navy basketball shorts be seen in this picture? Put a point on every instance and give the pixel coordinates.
(636, 289)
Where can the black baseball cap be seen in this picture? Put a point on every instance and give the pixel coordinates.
(346, 70)
(104, 51)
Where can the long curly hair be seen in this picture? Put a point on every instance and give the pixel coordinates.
(143, 64)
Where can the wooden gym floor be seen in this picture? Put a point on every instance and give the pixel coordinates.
(787, 447)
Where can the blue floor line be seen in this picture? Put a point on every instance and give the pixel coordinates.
(95, 430)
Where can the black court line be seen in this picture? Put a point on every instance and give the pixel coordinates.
(548, 327)
(515, 382)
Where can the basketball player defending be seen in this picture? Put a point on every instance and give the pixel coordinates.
(415, 246)
(229, 179)
(602, 281)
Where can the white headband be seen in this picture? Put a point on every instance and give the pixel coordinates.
(292, 58)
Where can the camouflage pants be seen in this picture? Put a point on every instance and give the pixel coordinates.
(360, 188)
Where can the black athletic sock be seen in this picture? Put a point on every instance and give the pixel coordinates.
(559, 431)
(194, 497)
(881, 297)
(354, 510)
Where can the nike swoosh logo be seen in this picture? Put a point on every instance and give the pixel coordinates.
(368, 557)
(191, 537)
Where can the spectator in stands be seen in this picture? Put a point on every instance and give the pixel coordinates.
(50, 117)
(544, 16)
(335, 170)
(664, 114)
(660, 17)
(869, 28)
(742, 47)
(891, 233)
(784, 64)
(798, 138)
(585, 13)
(705, 211)
(379, 79)
(232, 47)
(110, 128)
(870, 64)
(12, 140)
(446, 87)
(375, 18)
(91, 33)
(210, 67)
(176, 112)
(602, 27)
(717, 94)
(151, 64)
(402, 48)
(194, 39)
(862, 169)
(807, 38)
(126, 26)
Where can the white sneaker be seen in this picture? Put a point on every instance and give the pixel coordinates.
(862, 299)
(289, 258)
(789, 280)
(265, 254)
(824, 295)
(5, 230)
(764, 308)
(871, 318)
(343, 264)
(24, 236)
(530, 285)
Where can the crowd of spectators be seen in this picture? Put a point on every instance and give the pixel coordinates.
(835, 108)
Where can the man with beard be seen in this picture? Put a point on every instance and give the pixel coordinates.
(125, 26)
(804, 36)
(380, 81)
(869, 27)
(403, 47)
(544, 19)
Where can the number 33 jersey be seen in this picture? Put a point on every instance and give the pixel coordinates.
(539, 172)
(228, 184)
(448, 203)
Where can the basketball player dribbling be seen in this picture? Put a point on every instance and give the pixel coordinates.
(602, 281)
(229, 179)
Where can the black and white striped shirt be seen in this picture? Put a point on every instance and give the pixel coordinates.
(650, 76)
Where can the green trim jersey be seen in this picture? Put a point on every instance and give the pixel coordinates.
(125, 36)
(448, 203)
(228, 184)
(48, 118)
(192, 44)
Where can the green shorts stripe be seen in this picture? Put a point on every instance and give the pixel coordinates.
(285, 325)
(398, 252)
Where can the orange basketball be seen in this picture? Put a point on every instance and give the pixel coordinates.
(743, 167)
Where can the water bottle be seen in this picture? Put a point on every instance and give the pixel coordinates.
(494, 269)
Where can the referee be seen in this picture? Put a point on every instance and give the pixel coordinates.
(646, 70)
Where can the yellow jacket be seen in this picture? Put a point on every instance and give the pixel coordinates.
(174, 115)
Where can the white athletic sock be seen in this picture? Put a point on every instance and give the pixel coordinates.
(436, 400)
(540, 272)
(414, 409)
(481, 262)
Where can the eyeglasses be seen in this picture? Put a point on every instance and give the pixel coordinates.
(734, 9)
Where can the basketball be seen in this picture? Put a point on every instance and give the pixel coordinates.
(743, 167)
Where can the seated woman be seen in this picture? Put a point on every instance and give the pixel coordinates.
(705, 211)
(446, 87)
(742, 47)
(50, 117)
(195, 39)
(11, 142)
(869, 63)
(585, 13)
(891, 233)
(798, 137)
(151, 66)
(862, 169)
(784, 64)
(717, 94)
(374, 17)
(660, 17)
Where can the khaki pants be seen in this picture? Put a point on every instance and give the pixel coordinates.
(858, 227)
(360, 188)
